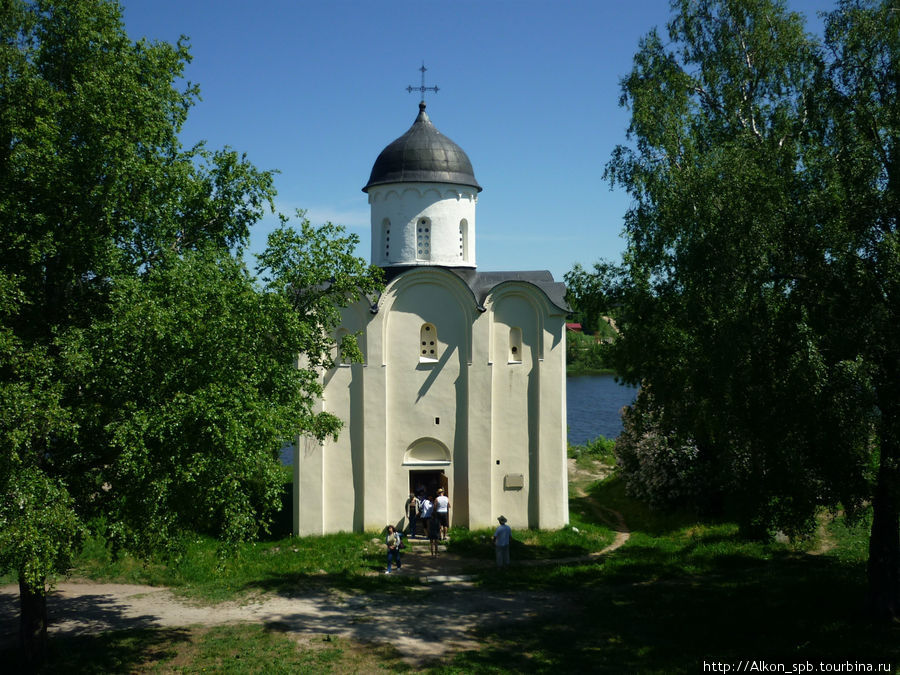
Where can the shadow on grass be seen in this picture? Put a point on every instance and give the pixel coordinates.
(611, 494)
(532, 544)
(124, 651)
(790, 609)
(292, 584)
(475, 549)
(70, 616)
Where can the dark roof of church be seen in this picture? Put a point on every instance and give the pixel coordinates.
(482, 283)
(422, 155)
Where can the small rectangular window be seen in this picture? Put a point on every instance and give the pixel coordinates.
(515, 345)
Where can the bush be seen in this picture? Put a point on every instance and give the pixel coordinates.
(600, 449)
(587, 354)
(657, 468)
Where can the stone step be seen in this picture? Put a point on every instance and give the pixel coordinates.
(423, 545)
(424, 550)
(421, 541)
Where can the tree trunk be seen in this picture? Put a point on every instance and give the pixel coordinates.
(32, 623)
(884, 543)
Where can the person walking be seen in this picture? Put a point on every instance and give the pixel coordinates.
(442, 511)
(434, 535)
(426, 509)
(501, 542)
(412, 513)
(393, 548)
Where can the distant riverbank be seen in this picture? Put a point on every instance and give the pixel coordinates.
(576, 371)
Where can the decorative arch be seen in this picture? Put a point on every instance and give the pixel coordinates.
(524, 289)
(458, 290)
(414, 190)
(536, 300)
(426, 452)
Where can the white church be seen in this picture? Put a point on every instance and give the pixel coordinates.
(463, 380)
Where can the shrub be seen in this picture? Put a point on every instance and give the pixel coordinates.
(657, 468)
(587, 354)
(600, 449)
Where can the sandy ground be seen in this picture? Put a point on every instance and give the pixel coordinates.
(445, 615)
(445, 612)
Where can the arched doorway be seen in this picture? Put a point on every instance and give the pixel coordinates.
(428, 462)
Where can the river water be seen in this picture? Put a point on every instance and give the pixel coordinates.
(593, 403)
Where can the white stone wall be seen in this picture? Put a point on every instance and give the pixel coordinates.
(497, 418)
(408, 209)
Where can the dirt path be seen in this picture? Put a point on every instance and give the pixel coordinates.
(578, 478)
(88, 608)
(93, 608)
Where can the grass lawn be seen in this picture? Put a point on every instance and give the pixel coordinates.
(245, 648)
(203, 573)
(681, 593)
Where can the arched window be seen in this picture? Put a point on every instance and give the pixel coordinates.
(515, 345)
(423, 239)
(386, 239)
(428, 343)
(463, 239)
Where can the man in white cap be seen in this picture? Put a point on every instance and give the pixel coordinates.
(501, 542)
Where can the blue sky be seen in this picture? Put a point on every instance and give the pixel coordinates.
(529, 89)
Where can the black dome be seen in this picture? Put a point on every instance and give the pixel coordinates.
(422, 155)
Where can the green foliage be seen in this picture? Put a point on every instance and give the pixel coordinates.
(848, 540)
(148, 378)
(598, 449)
(586, 354)
(763, 178)
(39, 530)
(658, 468)
(192, 379)
(588, 293)
(199, 568)
(316, 271)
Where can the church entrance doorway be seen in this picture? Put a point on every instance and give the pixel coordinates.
(428, 482)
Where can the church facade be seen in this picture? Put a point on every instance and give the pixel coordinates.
(463, 381)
